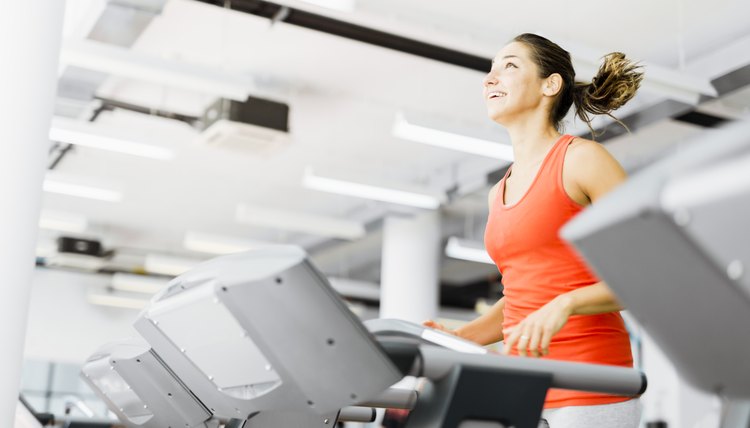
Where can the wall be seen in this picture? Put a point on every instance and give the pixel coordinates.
(63, 326)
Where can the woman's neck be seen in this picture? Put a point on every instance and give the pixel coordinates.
(531, 140)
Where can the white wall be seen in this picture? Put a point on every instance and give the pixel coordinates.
(63, 326)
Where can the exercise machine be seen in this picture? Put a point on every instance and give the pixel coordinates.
(261, 340)
(673, 243)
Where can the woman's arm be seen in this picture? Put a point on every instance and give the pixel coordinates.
(590, 300)
(486, 329)
(535, 332)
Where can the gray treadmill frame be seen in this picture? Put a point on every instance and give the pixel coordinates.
(342, 364)
(168, 400)
(655, 254)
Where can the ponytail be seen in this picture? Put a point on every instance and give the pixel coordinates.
(615, 84)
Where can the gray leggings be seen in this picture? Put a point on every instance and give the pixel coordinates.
(618, 415)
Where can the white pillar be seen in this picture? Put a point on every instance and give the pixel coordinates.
(409, 285)
(30, 33)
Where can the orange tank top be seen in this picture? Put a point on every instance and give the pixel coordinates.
(537, 265)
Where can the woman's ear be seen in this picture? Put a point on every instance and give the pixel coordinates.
(553, 85)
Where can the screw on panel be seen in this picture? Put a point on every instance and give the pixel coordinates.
(330, 342)
(223, 288)
(353, 396)
(325, 421)
(269, 367)
(137, 360)
(735, 270)
(310, 403)
(278, 280)
(169, 394)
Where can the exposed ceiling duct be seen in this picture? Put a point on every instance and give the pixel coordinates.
(256, 126)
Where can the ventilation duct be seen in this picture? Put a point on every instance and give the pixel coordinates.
(256, 126)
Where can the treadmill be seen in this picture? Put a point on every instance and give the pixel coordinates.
(262, 340)
(673, 243)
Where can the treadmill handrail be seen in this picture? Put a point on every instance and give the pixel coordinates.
(436, 362)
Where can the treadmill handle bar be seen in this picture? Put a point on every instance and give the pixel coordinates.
(436, 362)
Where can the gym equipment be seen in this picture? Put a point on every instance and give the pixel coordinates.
(673, 244)
(263, 336)
(261, 339)
(136, 385)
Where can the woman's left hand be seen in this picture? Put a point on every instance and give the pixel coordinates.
(535, 332)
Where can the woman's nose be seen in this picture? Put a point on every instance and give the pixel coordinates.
(489, 80)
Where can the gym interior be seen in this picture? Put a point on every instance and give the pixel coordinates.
(240, 213)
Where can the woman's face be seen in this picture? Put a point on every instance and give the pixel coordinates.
(513, 87)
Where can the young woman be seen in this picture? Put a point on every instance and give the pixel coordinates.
(553, 305)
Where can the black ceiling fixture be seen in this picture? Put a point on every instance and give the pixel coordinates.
(359, 33)
(705, 120)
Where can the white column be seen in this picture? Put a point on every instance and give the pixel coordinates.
(30, 34)
(409, 287)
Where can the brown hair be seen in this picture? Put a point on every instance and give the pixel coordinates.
(614, 84)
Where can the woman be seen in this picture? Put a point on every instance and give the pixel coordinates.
(553, 306)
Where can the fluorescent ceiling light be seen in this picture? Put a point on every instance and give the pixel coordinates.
(168, 265)
(467, 250)
(86, 134)
(450, 140)
(367, 191)
(107, 58)
(216, 244)
(55, 185)
(137, 283)
(63, 222)
(342, 5)
(116, 301)
(300, 222)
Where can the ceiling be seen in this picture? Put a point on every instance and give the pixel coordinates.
(343, 96)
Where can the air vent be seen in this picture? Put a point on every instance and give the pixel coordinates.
(256, 126)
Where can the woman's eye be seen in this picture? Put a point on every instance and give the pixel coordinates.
(510, 64)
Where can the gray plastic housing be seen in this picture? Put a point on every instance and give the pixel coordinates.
(673, 243)
(136, 386)
(263, 331)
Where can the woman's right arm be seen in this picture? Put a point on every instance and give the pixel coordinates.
(486, 329)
